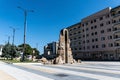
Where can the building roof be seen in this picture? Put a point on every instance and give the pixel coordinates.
(74, 25)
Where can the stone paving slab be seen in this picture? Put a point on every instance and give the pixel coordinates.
(5, 76)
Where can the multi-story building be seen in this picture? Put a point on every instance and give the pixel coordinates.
(97, 37)
(1, 46)
(50, 50)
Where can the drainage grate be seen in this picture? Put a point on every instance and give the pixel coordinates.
(61, 75)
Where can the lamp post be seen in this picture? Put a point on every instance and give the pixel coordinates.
(8, 38)
(14, 30)
(25, 20)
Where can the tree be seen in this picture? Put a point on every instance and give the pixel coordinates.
(28, 49)
(10, 51)
(36, 52)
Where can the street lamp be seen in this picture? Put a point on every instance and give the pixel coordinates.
(14, 29)
(25, 20)
(8, 38)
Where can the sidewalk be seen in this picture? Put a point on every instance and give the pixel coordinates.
(5, 76)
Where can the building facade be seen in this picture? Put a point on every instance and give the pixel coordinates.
(1, 47)
(50, 50)
(97, 37)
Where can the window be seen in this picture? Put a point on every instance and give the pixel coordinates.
(87, 35)
(116, 36)
(80, 48)
(92, 34)
(115, 29)
(110, 45)
(109, 30)
(79, 37)
(75, 48)
(91, 27)
(83, 36)
(70, 44)
(87, 29)
(79, 42)
(114, 21)
(94, 20)
(96, 46)
(91, 22)
(88, 47)
(102, 31)
(79, 32)
(95, 26)
(74, 43)
(96, 39)
(102, 38)
(70, 29)
(101, 24)
(74, 33)
(70, 34)
(74, 38)
(84, 48)
(101, 18)
(83, 30)
(95, 33)
(83, 25)
(78, 26)
(74, 28)
(109, 37)
(103, 45)
(93, 46)
(118, 12)
(83, 41)
(86, 23)
(92, 40)
(108, 22)
(87, 41)
(107, 16)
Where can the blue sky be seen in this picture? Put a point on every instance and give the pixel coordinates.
(50, 16)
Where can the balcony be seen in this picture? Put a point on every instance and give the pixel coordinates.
(117, 39)
(116, 15)
(116, 23)
(116, 30)
(117, 47)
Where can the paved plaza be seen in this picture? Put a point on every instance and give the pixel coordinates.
(83, 71)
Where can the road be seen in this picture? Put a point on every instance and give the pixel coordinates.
(83, 71)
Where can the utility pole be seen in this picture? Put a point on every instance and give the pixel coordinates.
(25, 20)
(8, 38)
(14, 30)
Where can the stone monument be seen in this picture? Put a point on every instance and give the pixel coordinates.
(64, 53)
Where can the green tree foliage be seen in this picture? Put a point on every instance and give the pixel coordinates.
(36, 52)
(10, 51)
(29, 50)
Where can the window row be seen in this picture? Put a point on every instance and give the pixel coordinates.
(94, 40)
(95, 20)
(94, 47)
